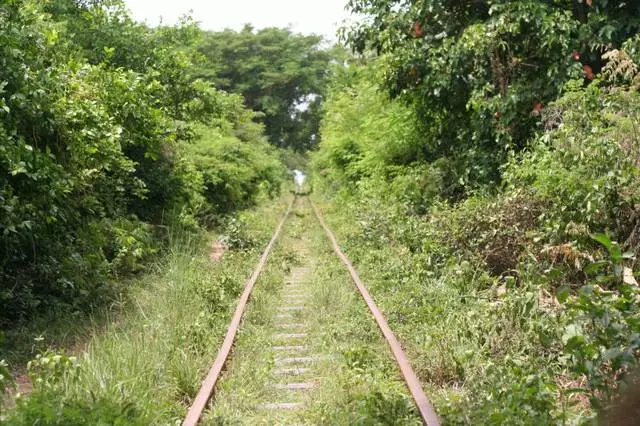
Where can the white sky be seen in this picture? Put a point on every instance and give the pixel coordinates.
(321, 17)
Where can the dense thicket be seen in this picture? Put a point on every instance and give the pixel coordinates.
(479, 72)
(280, 74)
(105, 135)
(485, 177)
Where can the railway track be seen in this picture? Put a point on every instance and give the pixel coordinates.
(292, 358)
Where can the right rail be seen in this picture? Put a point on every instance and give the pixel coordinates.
(428, 414)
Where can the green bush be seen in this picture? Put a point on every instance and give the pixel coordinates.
(234, 172)
(510, 311)
(101, 150)
(51, 373)
(583, 166)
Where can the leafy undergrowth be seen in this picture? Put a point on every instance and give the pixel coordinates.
(515, 348)
(518, 304)
(147, 364)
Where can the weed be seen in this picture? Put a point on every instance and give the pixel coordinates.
(146, 364)
(603, 335)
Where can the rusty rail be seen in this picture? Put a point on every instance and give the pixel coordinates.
(206, 390)
(428, 414)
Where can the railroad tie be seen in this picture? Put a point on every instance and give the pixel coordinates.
(282, 406)
(290, 335)
(295, 371)
(291, 325)
(290, 348)
(293, 386)
(300, 360)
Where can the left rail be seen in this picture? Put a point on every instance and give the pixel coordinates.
(209, 383)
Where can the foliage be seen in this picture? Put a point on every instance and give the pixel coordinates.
(235, 235)
(144, 363)
(99, 150)
(280, 74)
(234, 172)
(385, 132)
(48, 370)
(479, 73)
(491, 292)
(603, 336)
(51, 374)
(39, 409)
(365, 134)
(6, 380)
(586, 164)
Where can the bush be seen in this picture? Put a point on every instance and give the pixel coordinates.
(581, 166)
(510, 310)
(50, 374)
(235, 173)
(98, 150)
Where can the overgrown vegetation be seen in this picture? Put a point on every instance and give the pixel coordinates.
(110, 145)
(146, 364)
(478, 73)
(484, 177)
(479, 161)
(107, 141)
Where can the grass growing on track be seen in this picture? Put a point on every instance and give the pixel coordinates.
(480, 354)
(147, 364)
(357, 380)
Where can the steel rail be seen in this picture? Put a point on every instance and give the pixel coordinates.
(428, 414)
(209, 383)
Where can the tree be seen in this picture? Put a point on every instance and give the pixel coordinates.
(279, 74)
(480, 72)
(105, 134)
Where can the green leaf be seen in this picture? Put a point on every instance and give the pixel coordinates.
(563, 294)
(596, 266)
(602, 239)
(572, 331)
(611, 353)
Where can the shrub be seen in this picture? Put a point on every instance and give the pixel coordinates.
(98, 150)
(580, 166)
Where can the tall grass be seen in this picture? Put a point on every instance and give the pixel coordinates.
(146, 364)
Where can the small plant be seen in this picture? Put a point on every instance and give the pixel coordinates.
(235, 235)
(603, 336)
(6, 380)
(50, 369)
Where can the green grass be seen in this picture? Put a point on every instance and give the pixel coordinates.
(356, 379)
(484, 356)
(144, 364)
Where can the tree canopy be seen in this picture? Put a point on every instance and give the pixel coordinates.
(107, 137)
(280, 74)
(480, 72)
